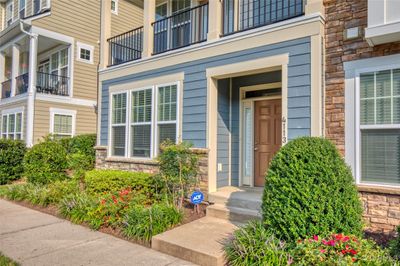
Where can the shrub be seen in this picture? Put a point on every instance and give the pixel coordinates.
(339, 249)
(105, 181)
(178, 170)
(252, 244)
(83, 144)
(110, 209)
(142, 223)
(395, 245)
(11, 157)
(76, 207)
(45, 162)
(309, 190)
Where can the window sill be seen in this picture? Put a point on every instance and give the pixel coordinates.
(379, 189)
(131, 160)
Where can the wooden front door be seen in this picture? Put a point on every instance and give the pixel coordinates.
(267, 136)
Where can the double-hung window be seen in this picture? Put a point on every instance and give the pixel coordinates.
(141, 110)
(22, 8)
(118, 124)
(379, 128)
(167, 113)
(9, 12)
(11, 126)
(153, 119)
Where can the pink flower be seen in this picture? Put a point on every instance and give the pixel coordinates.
(345, 239)
(315, 238)
(331, 243)
(323, 250)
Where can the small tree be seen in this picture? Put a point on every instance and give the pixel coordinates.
(178, 170)
(310, 190)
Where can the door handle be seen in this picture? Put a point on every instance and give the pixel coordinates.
(256, 149)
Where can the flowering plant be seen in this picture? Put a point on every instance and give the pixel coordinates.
(339, 249)
(111, 208)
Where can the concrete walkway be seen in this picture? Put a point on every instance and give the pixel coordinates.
(33, 238)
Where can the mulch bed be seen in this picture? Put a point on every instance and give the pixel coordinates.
(189, 215)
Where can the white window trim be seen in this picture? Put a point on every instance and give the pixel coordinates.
(353, 70)
(86, 47)
(57, 111)
(115, 12)
(11, 3)
(154, 139)
(14, 111)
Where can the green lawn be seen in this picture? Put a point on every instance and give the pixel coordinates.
(4, 261)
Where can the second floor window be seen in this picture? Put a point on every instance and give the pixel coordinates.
(114, 7)
(9, 12)
(22, 8)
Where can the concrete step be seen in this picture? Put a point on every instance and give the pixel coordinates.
(200, 242)
(249, 198)
(233, 214)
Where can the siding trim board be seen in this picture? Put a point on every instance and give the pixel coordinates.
(198, 100)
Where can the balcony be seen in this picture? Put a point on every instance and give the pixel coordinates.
(126, 47)
(250, 14)
(6, 89)
(181, 29)
(191, 26)
(22, 84)
(52, 84)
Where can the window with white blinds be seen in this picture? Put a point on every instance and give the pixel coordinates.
(62, 127)
(150, 118)
(380, 127)
(11, 126)
(166, 120)
(118, 126)
(141, 123)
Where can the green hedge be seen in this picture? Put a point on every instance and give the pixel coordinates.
(11, 157)
(45, 162)
(100, 181)
(310, 191)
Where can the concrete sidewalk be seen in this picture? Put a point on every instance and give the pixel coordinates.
(34, 238)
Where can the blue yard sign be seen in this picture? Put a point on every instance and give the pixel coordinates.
(197, 197)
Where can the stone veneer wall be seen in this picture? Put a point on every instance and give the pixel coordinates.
(149, 166)
(382, 206)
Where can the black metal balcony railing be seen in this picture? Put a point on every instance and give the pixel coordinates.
(22, 84)
(256, 13)
(126, 47)
(181, 29)
(52, 84)
(6, 89)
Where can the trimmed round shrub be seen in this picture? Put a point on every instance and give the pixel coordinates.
(11, 157)
(310, 190)
(253, 244)
(45, 162)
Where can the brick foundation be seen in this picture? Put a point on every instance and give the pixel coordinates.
(149, 166)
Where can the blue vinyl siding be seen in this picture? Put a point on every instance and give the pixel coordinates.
(195, 92)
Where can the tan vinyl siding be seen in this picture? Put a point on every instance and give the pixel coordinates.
(24, 115)
(129, 17)
(80, 20)
(2, 16)
(85, 118)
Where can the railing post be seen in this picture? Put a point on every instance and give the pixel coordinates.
(149, 16)
(14, 68)
(214, 20)
(2, 71)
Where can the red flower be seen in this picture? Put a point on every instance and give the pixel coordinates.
(353, 259)
(103, 201)
(345, 239)
(343, 251)
(324, 242)
(331, 243)
(315, 238)
(323, 250)
(353, 252)
(338, 236)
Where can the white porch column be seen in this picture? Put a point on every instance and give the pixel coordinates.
(214, 20)
(2, 70)
(30, 114)
(105, 32)
(15, 68)
(149, 16)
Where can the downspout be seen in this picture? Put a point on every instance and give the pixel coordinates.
(30, 114)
